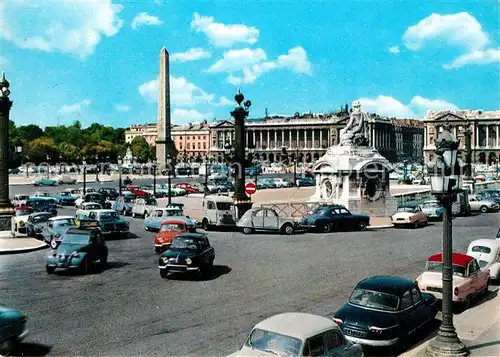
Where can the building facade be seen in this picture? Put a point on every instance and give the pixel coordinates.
(147, 131)
(192, 141)
(484, 126)
(305, 137)
(409, 139)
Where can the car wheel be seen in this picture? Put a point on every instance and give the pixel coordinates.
(9, 346)
(466, 303)
(415, 225)
(325, 228)
(287, 229)
(206, 225)
(124, 212)
(247, 230)
(85, 266)
(50, 270)
(361, 226)
(483, 209)
(164, 273)
(53, 243)
(145, 214)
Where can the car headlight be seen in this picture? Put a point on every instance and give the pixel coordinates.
(188, 261)
(21, 223)
(165, 259)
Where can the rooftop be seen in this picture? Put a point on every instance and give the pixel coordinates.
(465, 114)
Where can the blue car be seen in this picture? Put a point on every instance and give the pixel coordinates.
(53, 232)
(12, 329)
(44, 182)
(124, 204)
(433, 209)
(158, 215)
(65, 199)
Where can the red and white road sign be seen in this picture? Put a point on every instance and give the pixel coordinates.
(250, 188)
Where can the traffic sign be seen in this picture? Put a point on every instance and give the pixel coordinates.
(250, 188)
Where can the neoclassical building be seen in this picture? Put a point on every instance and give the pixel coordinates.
(147, 131)
(305, 136)
(484, 126)
(192, 141)
(409, 139)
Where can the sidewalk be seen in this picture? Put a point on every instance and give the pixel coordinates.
(20, 245)
(477, 327)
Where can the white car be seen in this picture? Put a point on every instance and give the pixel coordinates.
(21, 217)
(75, 192)
(487, 253)
(217, 176)
(20, 200)
(279, 182)
(85, 208)
(482, 204)
(42, 194)
(297, 334)
(61, 180)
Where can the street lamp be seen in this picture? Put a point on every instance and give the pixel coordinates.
(48, 169)
(154, 177)
(227, 154)
(6, 207)
(208, 161)
(446, 180)
(84, 176)
(96, 168)
(169, 170)
(120, 162)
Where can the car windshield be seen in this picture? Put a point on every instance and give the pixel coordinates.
(274, 342)
(22, 198)
(173, 213)
(23, 212)
(224, 206)
(172, 227)
(374, 300)
(430, 204)
(64, 222)
(76, 192)
(107, 215)
(437, 267)
(481, 249)
(93, 206)
(151, 202)
(184, 243)
(406, 209)
(43, 194)
(63, 193)
(90, 190)
(482, 263)
(41, 218)
(76, 239)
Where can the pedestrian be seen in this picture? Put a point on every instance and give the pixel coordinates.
(297, 183)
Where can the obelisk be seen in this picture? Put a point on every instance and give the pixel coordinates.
(163, 138)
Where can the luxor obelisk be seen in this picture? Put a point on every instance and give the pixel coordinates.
(164, 139)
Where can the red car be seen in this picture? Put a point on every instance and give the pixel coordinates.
(188, 187)
(138, 192)
(169, 229)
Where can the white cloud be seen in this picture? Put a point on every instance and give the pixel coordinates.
(394, 49)
(144, 19)
(477, 57)
(296, 60)
(236, 60)
(461, 29)
(70, 27)
(74, 108)
(224, 101)
(122, 107)
(193, 54)
(391, 107)
(222, 35)
(181, 116)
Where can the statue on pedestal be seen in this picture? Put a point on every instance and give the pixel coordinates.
(356, 131)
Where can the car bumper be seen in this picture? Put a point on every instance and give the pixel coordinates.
(114, 232)
(306, 227)
(64, 265)
(163, 245)
(23, 334)
(439, 296)
(22, 230)
(373, 343)
(174, 268)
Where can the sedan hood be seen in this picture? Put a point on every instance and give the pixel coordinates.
(402, 215)
(435, 279)
(182, 254)
(364, 318)
(68, 248)
(9, 313)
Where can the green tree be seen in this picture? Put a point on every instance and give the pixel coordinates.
(141, 149)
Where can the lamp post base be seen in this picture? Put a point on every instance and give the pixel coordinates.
(243, 204)
(446, 344)
(6, 224)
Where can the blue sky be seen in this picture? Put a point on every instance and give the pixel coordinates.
(97, 61)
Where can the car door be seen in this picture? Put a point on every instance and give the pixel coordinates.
(47, 230)
(478, 278)
(420, 311)
(346, 218)
(258, 219)
(473, 203)
(314, 346)
(408, 319)
(270, 219)
(335, 344)
(334, 218)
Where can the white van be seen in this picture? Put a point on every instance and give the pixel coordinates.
(218, 211)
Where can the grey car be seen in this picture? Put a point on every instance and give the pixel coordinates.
(482, 204)
(265, 219)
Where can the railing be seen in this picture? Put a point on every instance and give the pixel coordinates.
(291, 209)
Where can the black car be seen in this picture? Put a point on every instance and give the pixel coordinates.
(109, 193)
(43, 205)
(330, 218)
(96, 198)
(36, 222)
(188, 253)
(383, 311)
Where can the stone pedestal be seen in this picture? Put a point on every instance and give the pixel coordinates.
(6, 225)
(356, 177)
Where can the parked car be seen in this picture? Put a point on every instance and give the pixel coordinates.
(144, 206)
(64, 198)
(138, 192)
(409, 215)
(21, 217)
(487, 253)
(20, 200)
(61, 180)
(385, 311)
(109, 222)
(433, 209)
(478, 203)
(109, 193)
(42, 204)
(13, 329)
(189, 253)
(269, 183)
(124, 204)
(279, 182)
(188, 187)
(54, 230)
(86, 208)
(158, 215)
(217, 176)
(35, 223)
(218, 211)
(489, 195)
(331, 218)
(297, 334)
(265, 219)
(169, 229)
(306, 181)
(468, 278)
(80, 248)
(44, 182)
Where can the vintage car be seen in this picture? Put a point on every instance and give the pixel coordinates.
(91, 197)
(86, 208)
(80, 248)
(409, 215)
(487, 253)
(138, 192)
(75, 192)
(109, 193)
(41, 194)
(54, 230)
(12, 330)
(109, 222)
(143, 207)
(87, 190)
(280, 183)
(20, 200)
(64, 179)
(218, 211)
(158, 215)
(124, 204)
(35, 223)
(21, 217)
(265, 219)
(188, 253)
(482, 204)
(489, 195)
(64, 198)
(43, 204)
(468, 278)
(174, 191)
(433, 209)
(329, 218)
(384, 311)
(189, 188)
(44, 182)
(297, 334)
(169, 229)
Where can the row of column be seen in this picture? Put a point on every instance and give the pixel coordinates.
(487, 130)
(269, 138)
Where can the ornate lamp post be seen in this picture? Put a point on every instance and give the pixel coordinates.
(446, 182)
(227, 155)
(120, 163)
(208, 161)
(96, 168)
(19, 149)
(48, 169)
(6, 207)
(84, 176)
(169, 171)
(154, 177)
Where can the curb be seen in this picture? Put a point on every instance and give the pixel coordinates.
(384, 226)
(24, 250)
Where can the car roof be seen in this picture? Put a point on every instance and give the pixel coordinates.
(456, 258)
(193, 235)
(394, 285)
(296, 324)
(220, 198)
(490, 243)
(60, 217)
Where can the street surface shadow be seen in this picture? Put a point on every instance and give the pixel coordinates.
(117, 237)
(95, 269)
(31, 349)
(217, 272)
(481, 345)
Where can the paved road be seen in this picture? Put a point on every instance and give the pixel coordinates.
(129, 310)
